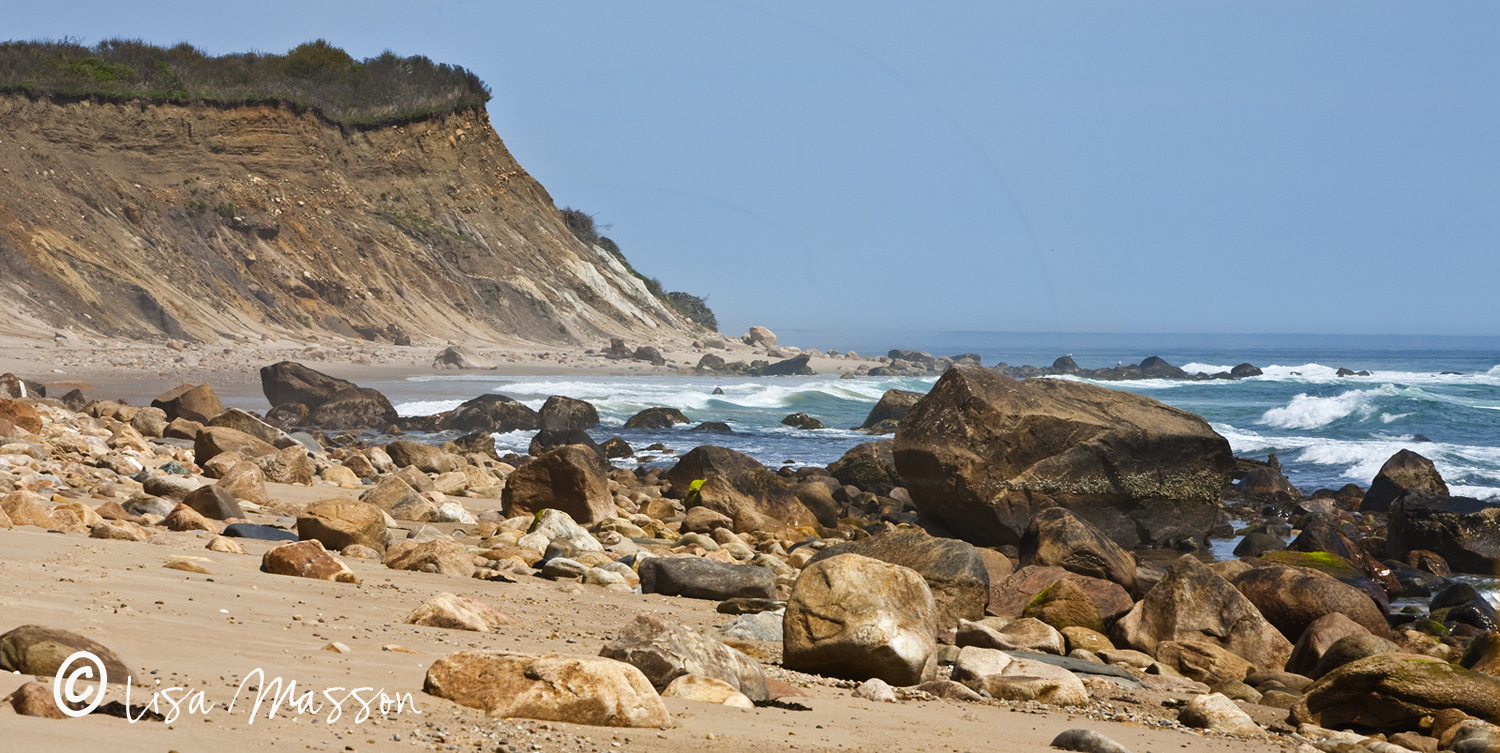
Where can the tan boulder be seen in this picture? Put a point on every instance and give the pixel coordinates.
(192, 403)
(855, 617)
(26, 509)
(216, 439)
(343, 523)
(290, 465)
(306, 559)
(1013, 679)
(184, 518)
(552, 687)
(1216, 713)
(396, 497)
(459, 612)
(706, 690)
(1207, 663)
(442, 556)
(245, 481)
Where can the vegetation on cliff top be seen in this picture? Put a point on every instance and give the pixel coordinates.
(315, 75)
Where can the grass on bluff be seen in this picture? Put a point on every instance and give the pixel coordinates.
(315, 75)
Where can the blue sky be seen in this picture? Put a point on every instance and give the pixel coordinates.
(1147, 167)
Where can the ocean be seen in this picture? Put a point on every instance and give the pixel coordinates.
(1439, 397)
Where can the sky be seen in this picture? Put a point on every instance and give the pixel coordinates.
(1143, 167)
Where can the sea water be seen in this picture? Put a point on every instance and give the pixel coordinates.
(1326, 430)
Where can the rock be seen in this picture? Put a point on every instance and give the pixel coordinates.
(551, 439)
(700, 578)
(1087, 741)
(760, 626)
(1316, 639)
(650, 355)
(893, 406)
(952, 569)
(1216, 713)
(551, 687)
(188, 402)
(740, 488)
(1483, 654)
(117, 530)
(184, 518)
(869, 466)
(1057, 537)
(459, 357)
(802, 421)
(41, 651)
(706, 690)
(1139, 471)
(560, 530)
(425, 458)
(398, 498)
(150, 422)
(35, 699)
(339, 524)
(1205, 662)
(182, 429)
(325, 401)
(214, 440)
(1083, 638)
(1265, 483)
(213, 502)
(704, 520)
(1257, 543)
(565, 413)
(442, 556)
(1025, 634)
(950, 691)
(1463, 530)
(1064, 605)
(260, 533)
(240, 421)
(1291, 599)
(856, 617)
(1009, 678)
(711, 362)
(1394, 691)
(171, 487)
(291, 465)
(306, 559)
(490, 413)
(1351, 648)
(1009, 597)
(705, 461)
(458, 612)
(656, 418)
(665, 652)
(816, 497)
(713, 427)
(875, 689)
(225, 545)
(1191, 603)
(1405, 471)
(571, 479)
(761, 336)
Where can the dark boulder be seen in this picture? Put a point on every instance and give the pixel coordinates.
(1156, 368)
(566, 413)
(701, 578)
(982, 454)
(953, 570)
(802, 421)
(713, 427)
(869, 466)
(711, 362)
(650, 355)
(1244, 370)
(317, 399)
(188, 402)
(656, 418)
(795, 366)
(1463, 530)
(1269, 485)
(490, 413)
(1065, 365)
(1405, 471)
(571, 479)
(1292, 598)
(893, 406)
(1395, 692)
(550, 439)
(704, 461)
(1257, 543)
(1060, 538)
(213, 502)
(616, 447)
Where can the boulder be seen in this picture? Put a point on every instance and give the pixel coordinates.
(192, 403)
(707, 690)
(650, 355)
(551, 439)
(552, 687)
(1025, 634)
(302, 396)
(240, 421)
(1265, 483)
(213, 502)
(816, 497)
(1059, 538)
(892, 406)
(1009, 678)
(490, 413)
(566, 413)
(1064, 605)
(215, 440)
(656, 418)
(459, 612)
(1216, 713)
(1207, 663)
(952, 569)
(571, 478)
(1483, 654)
(665, 652)
(306, 559)
(396, 497)
(616, 447)
(869, 466)
(761, 336)
(702, 578)
(342, 523)
(1257, 543)
(1315, 641)
(794, 366)
(423, 457)
(1191, 603)
(1351, 648)
(441, 556)
(983, 453)
(1292, 598)
(704, 520)
(802, 421)
(704, 461)
(856, 617)
(1403, 472)
(290, 465)
(41, 651)
(1463, 530)
(1394, 691)
(1086, 740)
(34, 699)
(1010, 596)
(149, 422)
(459, 357)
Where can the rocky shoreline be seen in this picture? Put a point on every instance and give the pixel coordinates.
(1075, 580)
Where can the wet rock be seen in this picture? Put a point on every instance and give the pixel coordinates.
(802, 421)
(892, 406)
(1216, 713)
(1268, 484)
(1292, 598)
(1140, 471)
(1483, 654)
(656, 418)
(1394, 691)
(567, 413)
(665, 652)
(551, 687)
(952, 569)
(713, 427)
(571, 479)
(1463, 530)
(1257, 543)
(700, 578)
(339, 524)
(856, 617)
(490, 413)
(192, 403)
(459, 612)
(1059, 538)
(1405, 471)
(306, 559)
(617, 448)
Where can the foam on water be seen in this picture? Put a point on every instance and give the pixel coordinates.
(1308, 412)
(1204, 368)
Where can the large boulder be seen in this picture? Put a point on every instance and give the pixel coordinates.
(306, 559)
(567, 413)
(425, 457)
(490, 413)
(192, 403)
(1403, 472)
(1010, 596)
(240, 421)
(664, 652)
(41, 651)
(302, 396)
(1394, 692)
(343, 523)
(1009, 678)
(551, 439)
(552, 687)
(739, 487)
(1292, 598)
(893, 406)
(1205, 662)
(953, 570)
(1318, 638)
(393, 495)
(1463, 530)
(983, 453)
(1191, 603)
(704, 461)
(656, 418)
(1063, 605)
(290, 465)
(439, 556)
(868, 466)
(857, 618)
(1059, 538)
(213, 502)
(571, 478)
(702, 578)
(215, 440)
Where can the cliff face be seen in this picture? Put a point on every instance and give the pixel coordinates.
(181, 221)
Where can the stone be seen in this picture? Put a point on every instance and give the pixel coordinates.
(241, 421)
(1025, 634)
(892, 406)
(1064, 605)
(760, 626)
(704, 520)
(875, 689)
(423, 457)
(1404, 471)
(738, 487)
(306, 559)
(1214, 712)
(702, 578)
(571, 479)
(1257, 543)
(1008, 678)
(1463, 530)
(182, 428)
(35, 699)
(1483, 654)
(214, 440)
(856, 617)
(184, 518)
(321, 400)
(1058, 538)
(706, 690)
(560, 528)
(1086, 741)
(150, 422)
(615, 447)
(1291, 599)
(339, 524)
(664, 652)
(566, 413)
(952, 569)
(761, 336)
(213, 502)
(188, 402)
(1010, 596)
(459, 357)
(656, 418)
(290, 465)
(1205, 662)
(41, 651)
(170, 487)
(713, 427)
(802, 421)
(552, 687)
(396, 497)
(258, 532)
(704, 461)
(459, 612)
(245, 480)
(442, 556)
(117, 530)
(1192, 603)
(1394, 691)
(490, 413)
(1316, 639)
(1267, 484)
(226, 545)
(1349, 649)
(868, 466)
(983, 453)
(950, 691)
